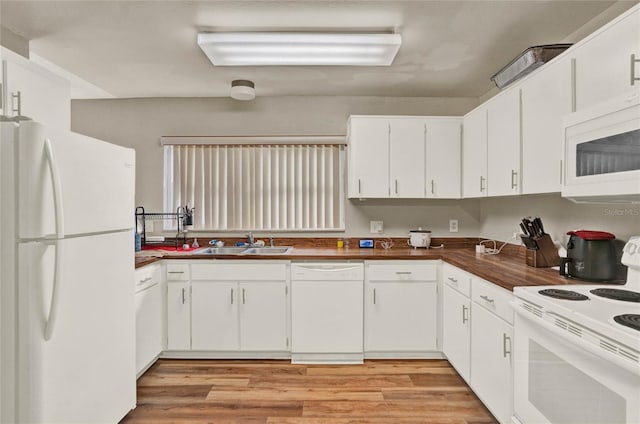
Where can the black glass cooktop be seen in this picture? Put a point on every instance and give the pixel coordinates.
(629, 320)
(563, 294)
(618, 294)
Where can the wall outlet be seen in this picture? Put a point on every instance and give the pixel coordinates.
(376, 227)
(516, 235)
(453, 225)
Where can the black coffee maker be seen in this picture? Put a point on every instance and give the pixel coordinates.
(593, 256)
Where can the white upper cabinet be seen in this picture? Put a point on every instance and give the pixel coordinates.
(443, 171)
(407, 159)
(503, 144)
(35, 92)
(603, 64)
(474, 153)
(368, 157)
(546, 99)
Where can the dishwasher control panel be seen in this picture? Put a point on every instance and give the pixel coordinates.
(327, 271)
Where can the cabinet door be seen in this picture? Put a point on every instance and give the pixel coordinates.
(400, 317)
(407, 158)
(546, 99)
(178, 307)
(503, 144)
(148, 326)
(491, 362)
(474, 153)
(455, 330)
(603, 64)
(443, 158)
(368, 157)
(44, 97)
(263, 316)
(214, 315)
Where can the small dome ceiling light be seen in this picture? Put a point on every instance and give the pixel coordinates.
(243, 90)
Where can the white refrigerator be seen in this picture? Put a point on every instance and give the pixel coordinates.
(67, 304)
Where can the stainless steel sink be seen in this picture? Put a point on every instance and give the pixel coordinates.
(267, 250)
(220, 251)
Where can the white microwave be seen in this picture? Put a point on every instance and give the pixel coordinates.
(602, 152)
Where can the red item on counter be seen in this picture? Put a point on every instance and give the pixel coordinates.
(591, 235)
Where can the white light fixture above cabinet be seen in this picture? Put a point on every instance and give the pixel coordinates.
(299, 49)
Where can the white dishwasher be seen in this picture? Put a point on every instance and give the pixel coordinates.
(327, 312)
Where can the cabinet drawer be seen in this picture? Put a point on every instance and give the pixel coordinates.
(401, 272)
(239, 271)
(146, 276)
(492, 297)
(457, 279)
(177, 272)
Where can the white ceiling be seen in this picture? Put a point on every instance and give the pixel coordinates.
(148, 48)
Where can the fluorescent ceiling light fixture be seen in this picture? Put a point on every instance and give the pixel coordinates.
(299, 49)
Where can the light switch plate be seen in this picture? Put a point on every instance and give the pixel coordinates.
(453, 225)
(376, 227)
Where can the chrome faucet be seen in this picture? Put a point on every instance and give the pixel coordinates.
(271, 241)
(250, 238)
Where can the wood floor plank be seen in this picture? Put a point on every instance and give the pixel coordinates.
(333, 381)
(298, 393)
(276, 392)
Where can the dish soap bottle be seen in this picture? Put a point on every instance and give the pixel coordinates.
(195, 243)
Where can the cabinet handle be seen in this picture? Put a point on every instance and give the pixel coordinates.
(175, 272)
(633, 69)
(453, 280)
(433, 191)
(514, 179)
(486, 298)
(403, 272)
(481, 183)
(359, 186)
(465, 318)
(2, 97)
(396, 186)
(144, 280)
(243, 297)
(506, 339)
(17, 106)
(232, 296)
(374, 296)
(184, 292)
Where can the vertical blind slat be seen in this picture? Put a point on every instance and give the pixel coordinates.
(256, 187)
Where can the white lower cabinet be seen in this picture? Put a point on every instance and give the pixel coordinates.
(401, 307)
(178, 316)
(263, 316)
(456, 313)
(491, 362)
(234, 306)
(214, 315)
(149, 312)
(478, 332)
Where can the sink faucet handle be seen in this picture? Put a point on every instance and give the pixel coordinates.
(271, 241)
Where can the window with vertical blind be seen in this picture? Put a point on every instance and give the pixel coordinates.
(257, 183)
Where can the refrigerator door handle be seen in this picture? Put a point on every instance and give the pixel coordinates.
(59, 217)
(53, 306)
(57, 188)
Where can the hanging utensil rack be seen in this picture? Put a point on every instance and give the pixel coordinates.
(178, 216)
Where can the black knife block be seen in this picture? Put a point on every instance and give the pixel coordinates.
(545, 256)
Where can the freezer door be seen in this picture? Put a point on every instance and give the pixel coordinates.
(85, 371)
(84, 183)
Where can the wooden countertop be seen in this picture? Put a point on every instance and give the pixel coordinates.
(505, 270)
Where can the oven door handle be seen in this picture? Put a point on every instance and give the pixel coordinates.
(632, 367)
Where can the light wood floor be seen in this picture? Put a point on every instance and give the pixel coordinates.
(277, 392)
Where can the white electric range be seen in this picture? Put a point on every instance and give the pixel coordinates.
(577, 351)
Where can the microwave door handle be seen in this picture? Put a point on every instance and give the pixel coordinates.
(59, 220)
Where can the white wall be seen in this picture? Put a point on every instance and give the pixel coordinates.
(500, 216)
(139, 123)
